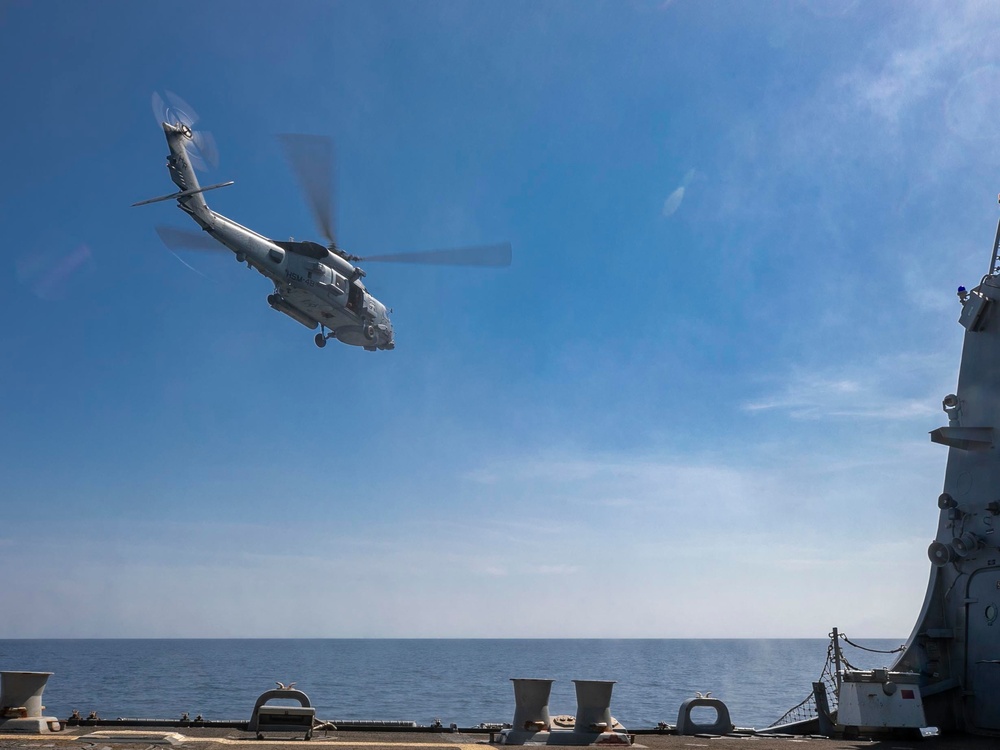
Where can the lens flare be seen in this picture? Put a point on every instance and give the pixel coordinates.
(48, 274)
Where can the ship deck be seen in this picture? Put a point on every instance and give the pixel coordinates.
(89, 738)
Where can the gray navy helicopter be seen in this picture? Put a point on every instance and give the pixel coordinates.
(317, 285)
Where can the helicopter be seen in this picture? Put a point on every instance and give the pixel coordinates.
(317, 285)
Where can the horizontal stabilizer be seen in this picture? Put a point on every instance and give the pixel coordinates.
(184, 193)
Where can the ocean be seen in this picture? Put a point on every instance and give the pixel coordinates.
(465, 682)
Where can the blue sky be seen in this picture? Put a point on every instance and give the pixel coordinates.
(696, 404)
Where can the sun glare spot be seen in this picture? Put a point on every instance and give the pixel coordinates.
(673, 202)
(48, 274)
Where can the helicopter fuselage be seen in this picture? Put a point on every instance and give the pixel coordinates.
(312, 284)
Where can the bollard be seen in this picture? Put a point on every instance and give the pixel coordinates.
(593, 705)
(531, 704)
(21, 694)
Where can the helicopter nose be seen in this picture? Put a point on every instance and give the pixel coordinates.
(385, 334)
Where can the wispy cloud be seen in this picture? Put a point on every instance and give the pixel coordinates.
(888, 388)
(749, 490)
(495, 571)
(818, 398)
(926, 76)
(891, 87)
(939, 52)
(557, 570)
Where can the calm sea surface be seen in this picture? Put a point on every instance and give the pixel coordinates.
(460, 681)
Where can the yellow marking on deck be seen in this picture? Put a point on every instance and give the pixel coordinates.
(314, 741)
(249, 741)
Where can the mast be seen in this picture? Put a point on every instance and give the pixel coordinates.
(955, 644)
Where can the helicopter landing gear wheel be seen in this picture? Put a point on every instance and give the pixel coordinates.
(370, 332)
(320, 340)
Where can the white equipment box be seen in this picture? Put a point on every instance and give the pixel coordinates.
(881, 699)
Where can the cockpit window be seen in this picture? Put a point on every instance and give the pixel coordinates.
(308, 249)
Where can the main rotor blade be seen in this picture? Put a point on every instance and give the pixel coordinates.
(311, 158)
(496, 256)
(186, 239)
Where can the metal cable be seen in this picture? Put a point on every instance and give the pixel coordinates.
(872, 650)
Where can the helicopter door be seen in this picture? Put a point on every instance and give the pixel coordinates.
(355, 299)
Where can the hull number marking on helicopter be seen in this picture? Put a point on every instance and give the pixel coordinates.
(292, 276)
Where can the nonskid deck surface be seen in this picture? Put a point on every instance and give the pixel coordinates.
(220, 739)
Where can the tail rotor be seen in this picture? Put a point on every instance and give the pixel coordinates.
(201, 148)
